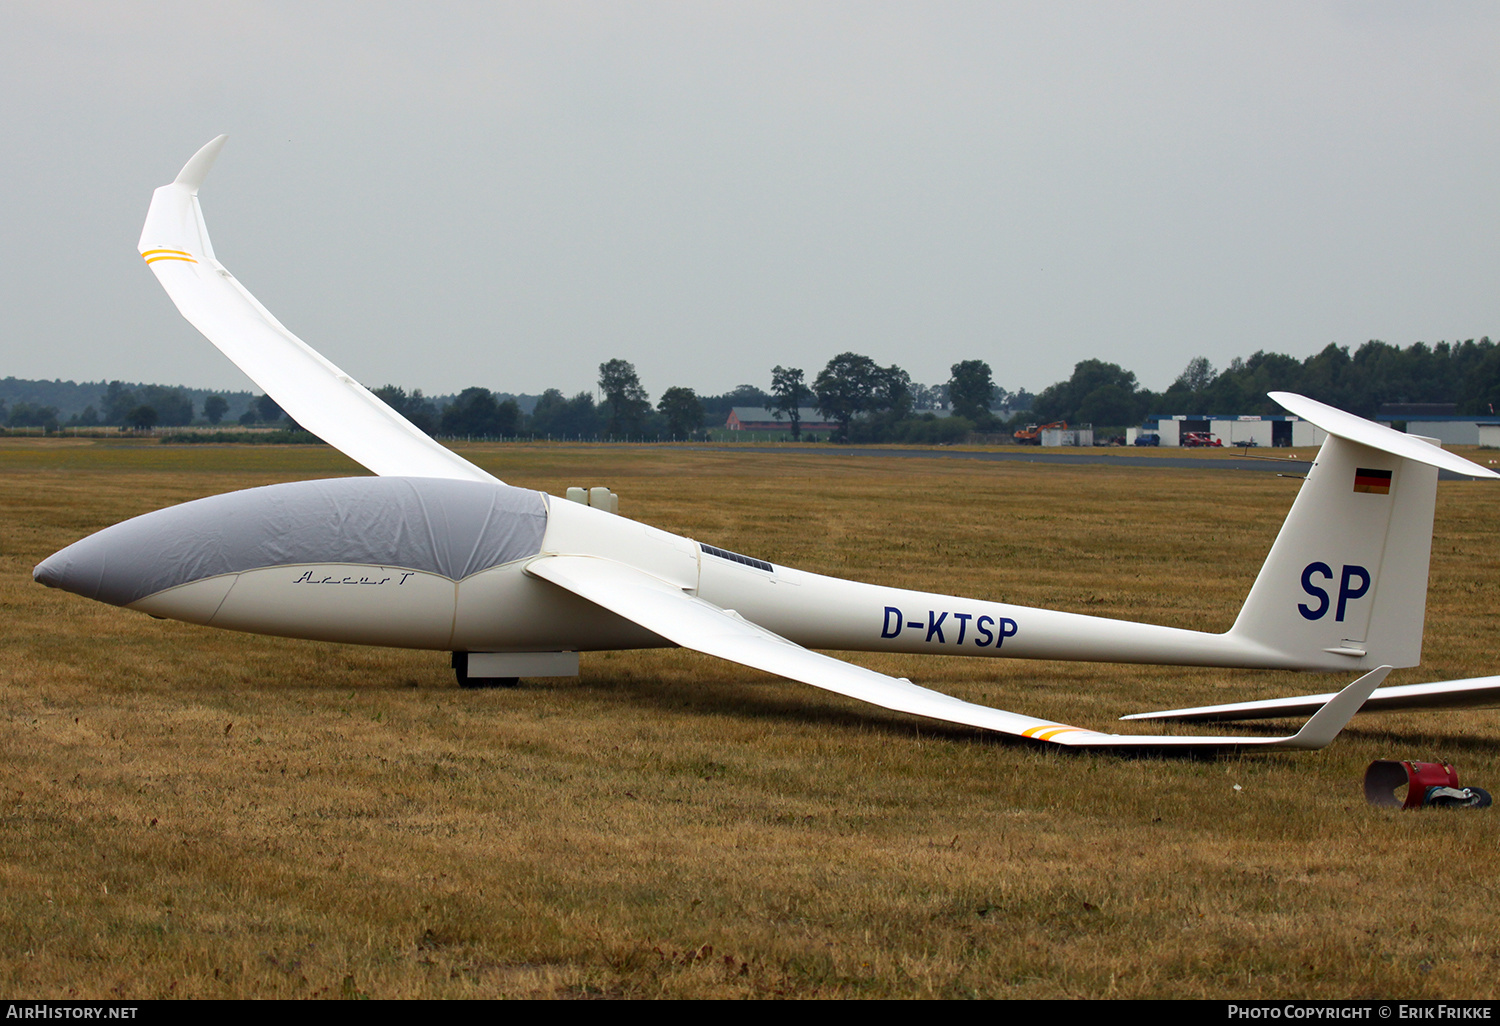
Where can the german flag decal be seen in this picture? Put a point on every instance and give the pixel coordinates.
(1377, 482)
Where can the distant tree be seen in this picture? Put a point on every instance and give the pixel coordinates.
(971, 389)
(582, 415)
(929, 397)
(746, 395)
(214, 408)
(558, 417)
(788, 391)
(118, 401)
(477, 414)
(1480, 391)
(393, 396)
(88, 418)
(549, 413)
(142, 418)
(266, 410)
(888, 410)
(421, 412)
(628, 401)
(508, 423)
(1108, 406)
(846, 388)
(682, 409)
(893, 392)
(173, 406)
(1197, 375)
(31, 415)
(1062, 400)
(416, 408)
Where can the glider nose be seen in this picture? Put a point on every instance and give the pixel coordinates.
(52, 572)
(93, 568)
(450, 528)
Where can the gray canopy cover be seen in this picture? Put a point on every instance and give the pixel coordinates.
(438, 525)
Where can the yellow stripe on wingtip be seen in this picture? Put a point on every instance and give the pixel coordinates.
(179, 252)
(1049, 731)
(152, 260)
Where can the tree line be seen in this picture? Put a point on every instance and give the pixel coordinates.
(1466, 374)
(867, 402)
(122, 405)
(871, 403)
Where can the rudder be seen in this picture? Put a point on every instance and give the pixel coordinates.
(1345, 584)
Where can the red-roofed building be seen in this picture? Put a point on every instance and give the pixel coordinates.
(757, 418)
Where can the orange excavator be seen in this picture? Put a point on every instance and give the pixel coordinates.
(1031, 434)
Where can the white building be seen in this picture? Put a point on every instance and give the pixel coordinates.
(1250, 429)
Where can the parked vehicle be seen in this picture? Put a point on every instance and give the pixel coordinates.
(1031, 434)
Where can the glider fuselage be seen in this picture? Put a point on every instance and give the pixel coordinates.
(440, 564)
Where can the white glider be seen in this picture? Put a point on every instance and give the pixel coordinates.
(435, 553)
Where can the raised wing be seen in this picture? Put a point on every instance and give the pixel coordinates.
(1472, 693)
(691, 622)
(317, 394)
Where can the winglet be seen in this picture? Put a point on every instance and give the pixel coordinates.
(308, 386)
(196, 169)
(1325, 724)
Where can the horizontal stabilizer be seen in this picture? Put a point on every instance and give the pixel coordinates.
(318, 395)
(696, 624)
(1377, 436)
(1472, 693)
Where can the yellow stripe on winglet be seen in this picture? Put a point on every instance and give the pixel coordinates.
(153, 255)
(1049, 731)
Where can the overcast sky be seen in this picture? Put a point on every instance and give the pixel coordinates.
(439, 195)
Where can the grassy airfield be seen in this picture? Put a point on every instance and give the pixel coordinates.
(196, 813)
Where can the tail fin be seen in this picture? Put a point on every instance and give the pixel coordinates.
(1345, 585)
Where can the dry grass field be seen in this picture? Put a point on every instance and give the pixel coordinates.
(194, 813)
